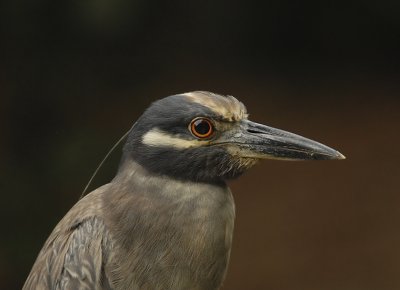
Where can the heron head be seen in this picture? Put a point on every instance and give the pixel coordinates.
(206, 137)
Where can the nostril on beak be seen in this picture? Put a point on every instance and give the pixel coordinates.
(253, 131)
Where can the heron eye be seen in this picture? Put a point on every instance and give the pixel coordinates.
(201, 128)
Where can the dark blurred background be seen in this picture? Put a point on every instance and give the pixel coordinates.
(75, 75)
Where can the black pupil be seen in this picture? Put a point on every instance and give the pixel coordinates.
(202, 127)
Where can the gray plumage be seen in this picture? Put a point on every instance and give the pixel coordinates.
(153, 227)
(157, 249)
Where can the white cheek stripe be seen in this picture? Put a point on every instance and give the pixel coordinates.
(158, 138)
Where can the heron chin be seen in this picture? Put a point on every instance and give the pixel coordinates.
(166, 220)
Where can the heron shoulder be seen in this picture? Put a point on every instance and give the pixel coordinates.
(78, 239)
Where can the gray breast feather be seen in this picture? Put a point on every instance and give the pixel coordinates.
(140, 232)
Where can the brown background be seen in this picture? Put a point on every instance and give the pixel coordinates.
(74, 76)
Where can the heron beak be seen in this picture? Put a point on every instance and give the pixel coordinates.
(255, 140)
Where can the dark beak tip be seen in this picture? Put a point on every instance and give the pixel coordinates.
(330, 154)
(336, 156)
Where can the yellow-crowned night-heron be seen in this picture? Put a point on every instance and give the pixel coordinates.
(166, 220)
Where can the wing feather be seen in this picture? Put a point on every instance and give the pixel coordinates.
(76, 252)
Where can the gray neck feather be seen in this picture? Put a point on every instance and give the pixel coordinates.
(174, 234)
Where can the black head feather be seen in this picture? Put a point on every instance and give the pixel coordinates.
(173, 115)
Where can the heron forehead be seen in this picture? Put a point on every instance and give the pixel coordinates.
(227, 107)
